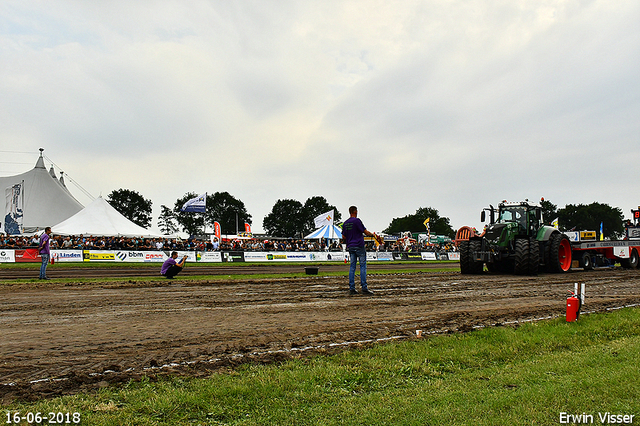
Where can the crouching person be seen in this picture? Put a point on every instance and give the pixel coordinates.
(171, 268)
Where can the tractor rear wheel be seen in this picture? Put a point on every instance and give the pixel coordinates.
(559, 256)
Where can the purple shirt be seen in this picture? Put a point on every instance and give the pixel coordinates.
(44, 244)
(167, 264)
(353, 232)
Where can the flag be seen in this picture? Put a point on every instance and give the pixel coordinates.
(196, 205)
(601, 231)
(216, 230)
(324, 219)
(426, 223)
(556, 223)
(14, 209)
(247, 228)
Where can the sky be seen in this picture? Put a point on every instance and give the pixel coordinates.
(386, 105)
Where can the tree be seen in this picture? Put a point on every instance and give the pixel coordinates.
(167, 220)
(227, 210)
(131, 205)
(191, 223)
(313, 207)
(588, 218)
(285, 220)
(549, 211)
(415, 223)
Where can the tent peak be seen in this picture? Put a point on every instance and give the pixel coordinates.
(40, 162)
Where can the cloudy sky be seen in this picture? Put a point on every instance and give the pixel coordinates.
(388, 105)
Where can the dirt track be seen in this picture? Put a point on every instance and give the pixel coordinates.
(60, 338)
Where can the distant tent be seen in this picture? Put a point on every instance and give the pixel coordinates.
(100, 219)
(328, 231)
(47, 200)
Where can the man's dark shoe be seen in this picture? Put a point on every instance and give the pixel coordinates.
(353, 292)
(367, 292)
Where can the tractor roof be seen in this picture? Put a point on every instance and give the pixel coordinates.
(525, 203)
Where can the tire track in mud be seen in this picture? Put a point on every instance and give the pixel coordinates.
(62, 338)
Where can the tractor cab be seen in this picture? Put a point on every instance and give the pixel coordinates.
(513, 219)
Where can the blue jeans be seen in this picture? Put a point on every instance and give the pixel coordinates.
(358, 254)
(43, 267)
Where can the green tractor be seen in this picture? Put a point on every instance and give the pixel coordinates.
(517, 242)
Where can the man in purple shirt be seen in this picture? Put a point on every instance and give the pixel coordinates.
(171, 268)
(45, 252)
(353, 232)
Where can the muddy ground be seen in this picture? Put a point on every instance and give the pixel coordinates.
(61, 338)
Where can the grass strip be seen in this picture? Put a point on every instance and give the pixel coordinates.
(494, 376)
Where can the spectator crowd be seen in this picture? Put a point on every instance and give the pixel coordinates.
(81, 242)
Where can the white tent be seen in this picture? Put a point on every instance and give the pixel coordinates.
(100, 219)
(46, 199)
(329, 231)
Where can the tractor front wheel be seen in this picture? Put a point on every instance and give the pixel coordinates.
(521, 261)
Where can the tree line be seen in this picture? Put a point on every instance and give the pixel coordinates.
(293, 219)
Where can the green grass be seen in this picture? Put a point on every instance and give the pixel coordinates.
(492, 376)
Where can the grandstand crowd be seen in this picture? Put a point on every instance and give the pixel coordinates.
(82, 242)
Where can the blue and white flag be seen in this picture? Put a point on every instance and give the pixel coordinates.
(601, 231)
(196, 205)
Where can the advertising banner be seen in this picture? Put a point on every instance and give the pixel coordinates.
(67, 255)
(428, 255)
(453, 255)
(28, 255)
(192, 256)
(336, 256)
(418, 256)
(233, 256)
(140, 256)
(399, 256)
(283, 256)
(210, 256)
(99, 256)
(7, 256)
(385, 255)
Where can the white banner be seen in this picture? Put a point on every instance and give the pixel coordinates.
(285, 256)
(67, 255)
(428, 255)
(12, 220)
(453, 255)
(383, 255)
(140, 256)
(210, 256)
(7, 256)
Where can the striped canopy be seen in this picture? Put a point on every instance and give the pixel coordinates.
(328, 231)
